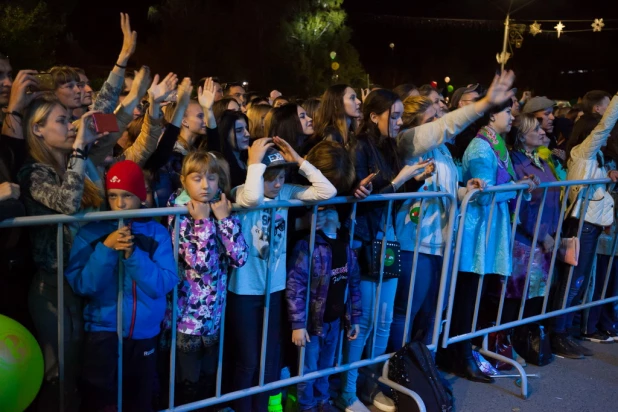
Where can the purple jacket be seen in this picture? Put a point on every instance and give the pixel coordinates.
(207, 249)
(296, 289)
(529, 211)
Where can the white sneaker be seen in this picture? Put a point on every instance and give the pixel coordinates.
(384, 403)
(357, 406)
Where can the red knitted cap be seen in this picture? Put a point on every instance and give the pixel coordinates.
(127, 175)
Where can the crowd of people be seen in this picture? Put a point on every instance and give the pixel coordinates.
(206, 147)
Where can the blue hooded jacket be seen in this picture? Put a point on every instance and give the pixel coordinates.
(149, 274)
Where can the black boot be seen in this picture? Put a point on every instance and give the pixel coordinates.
(466, 364)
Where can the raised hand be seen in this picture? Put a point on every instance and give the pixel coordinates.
(258, 149)
(206, 94)
(364, 94)
(140, 84)
(86, 133)
(129, 40)
(222, 208)
(185, 88)
(20, 98)
(288, 153)
(159, 91)
(501, 88)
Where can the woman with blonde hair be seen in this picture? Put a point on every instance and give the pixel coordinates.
(256, 114)
(57, 178)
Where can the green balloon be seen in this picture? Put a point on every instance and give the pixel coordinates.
(450, 88)
(21, 366)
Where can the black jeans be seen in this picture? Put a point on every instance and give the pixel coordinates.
(244, 320)
(602, 316)
(100, 372)
(581, 273)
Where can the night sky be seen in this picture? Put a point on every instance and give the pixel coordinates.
(426, 52)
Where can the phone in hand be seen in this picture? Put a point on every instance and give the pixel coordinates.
(45, 83)
(372, 177)
(105, 122)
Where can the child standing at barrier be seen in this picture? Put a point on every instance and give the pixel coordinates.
(248, 285)
(149, 274)
(334, 268)
(210, 242)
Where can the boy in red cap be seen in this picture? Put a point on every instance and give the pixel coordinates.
(145, 249)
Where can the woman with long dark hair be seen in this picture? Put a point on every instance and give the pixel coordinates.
(291, 123)
(233, 143)
(375, 153)
(336, 117)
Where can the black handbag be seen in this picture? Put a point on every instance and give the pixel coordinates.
(532, 343)
(392, 259)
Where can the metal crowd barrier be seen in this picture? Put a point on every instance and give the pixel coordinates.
(545, 314)
(60, 220)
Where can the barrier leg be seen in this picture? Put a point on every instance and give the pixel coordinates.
(520, 370)
(393, 385)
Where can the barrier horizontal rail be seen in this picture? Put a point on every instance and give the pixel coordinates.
(59, 220)
(470, 198)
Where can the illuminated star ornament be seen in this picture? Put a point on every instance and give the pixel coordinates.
(559, 28)
(597, 25)
(535, 28)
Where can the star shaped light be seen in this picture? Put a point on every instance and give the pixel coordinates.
(559, 28)
(597, 25)
(535, 28)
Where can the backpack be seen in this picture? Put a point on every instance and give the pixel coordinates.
(413, 367)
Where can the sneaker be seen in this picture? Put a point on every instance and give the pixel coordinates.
(611, 333)
(581, 349)
(356, 406)
(597, 337)
(561, 347)
(384, 403)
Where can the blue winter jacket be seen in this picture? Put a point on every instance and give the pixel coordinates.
(149, 274)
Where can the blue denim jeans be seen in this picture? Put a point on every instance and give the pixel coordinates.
(353, 350)
(581, 273)
(319, 355)
(424, 300)
(602, 316)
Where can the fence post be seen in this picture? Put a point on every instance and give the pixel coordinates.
(60, 306)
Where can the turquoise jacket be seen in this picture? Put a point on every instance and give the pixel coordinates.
(480, 254)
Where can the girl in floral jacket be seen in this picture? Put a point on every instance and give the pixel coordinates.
(210, 241)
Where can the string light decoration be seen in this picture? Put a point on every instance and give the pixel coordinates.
(535, 28)
(559, 28)
(597, 25)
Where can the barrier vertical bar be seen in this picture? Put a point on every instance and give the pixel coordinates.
(580, 226)
(381, 277)
(491, 216)
(342, 333)
(406, 328)
(535, 238)
(60, 306)
(554, 255)
(513, 231)
(444, 276)
(172, 384)
(455, 269)
(119, 320)
(301, 352)
(609, 265)
(219, 378)
(273, 215)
